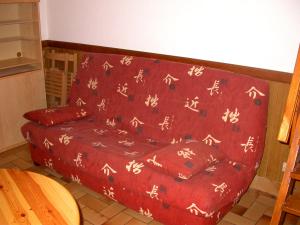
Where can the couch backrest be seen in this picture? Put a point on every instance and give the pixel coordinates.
(163, 101)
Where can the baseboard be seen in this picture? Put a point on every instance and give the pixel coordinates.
(13, 146)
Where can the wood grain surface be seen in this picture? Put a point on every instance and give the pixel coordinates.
(19, 94)
(22, 85)
(31, 198)
(290, 114)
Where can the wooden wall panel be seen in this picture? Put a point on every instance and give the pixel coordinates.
(9, 49)
(275, 153)
(18, 94)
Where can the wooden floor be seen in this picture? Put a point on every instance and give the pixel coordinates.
(255, 208)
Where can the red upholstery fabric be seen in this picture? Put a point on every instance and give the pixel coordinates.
(141, 107)
(183, 160)
(58, 115)
(170, 101)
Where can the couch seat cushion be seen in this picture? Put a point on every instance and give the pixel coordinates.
(113, 159)
(71, 138)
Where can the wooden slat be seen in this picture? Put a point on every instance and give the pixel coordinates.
(292, 104)
(54, 80)
(54, 77)
(296, 175)
(64, 88)
(54, 85)
(52, 89)
(292, 205)
(53, 92)
(60, 56)
(50, 85)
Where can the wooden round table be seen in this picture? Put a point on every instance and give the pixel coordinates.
(31, 198)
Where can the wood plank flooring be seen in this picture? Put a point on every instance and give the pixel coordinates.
(255, 207)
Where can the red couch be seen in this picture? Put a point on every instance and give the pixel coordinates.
(177, 142)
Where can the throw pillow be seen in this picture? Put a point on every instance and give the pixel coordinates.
(58, 115)
(184, 160)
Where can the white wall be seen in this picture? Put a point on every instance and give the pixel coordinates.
(257, 33)
(44, 19)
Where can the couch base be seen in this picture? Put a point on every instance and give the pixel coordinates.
(174, 214)
(36, 163)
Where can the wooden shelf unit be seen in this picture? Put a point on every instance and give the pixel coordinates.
(22, 85)
(19, 36)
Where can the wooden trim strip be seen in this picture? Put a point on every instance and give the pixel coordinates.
(265, 74)
(289, 117)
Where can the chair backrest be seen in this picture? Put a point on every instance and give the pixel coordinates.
(59, 73)
(65, 57)
(288, 123)
(56, 87)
